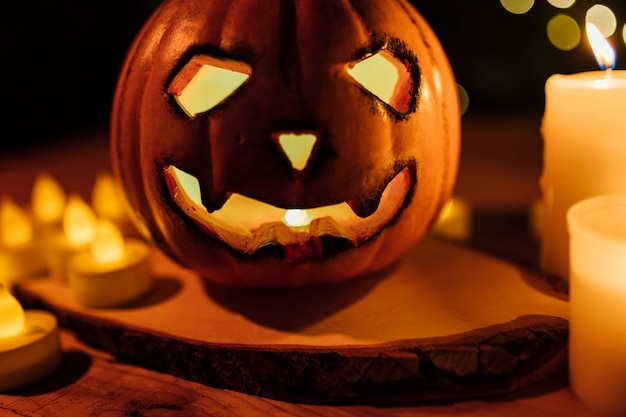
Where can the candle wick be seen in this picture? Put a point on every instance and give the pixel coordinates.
(608, 73)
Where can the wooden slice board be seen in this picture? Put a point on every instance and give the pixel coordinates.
(445, 323)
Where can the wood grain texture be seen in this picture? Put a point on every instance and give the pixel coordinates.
(446, 323)
(92, 383)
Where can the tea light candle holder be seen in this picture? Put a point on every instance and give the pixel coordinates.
(597, 348)
(21, 255)
(77, 232)
(115, 272)
(30, 348)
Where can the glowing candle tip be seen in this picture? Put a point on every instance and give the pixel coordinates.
(15, 227)
(48, 199)
(79, 221)
(602, 50)
(11, 314)
(108, 243)
(296, 218)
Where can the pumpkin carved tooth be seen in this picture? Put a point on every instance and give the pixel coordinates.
(365, 207)
(214, 204)
(267, 228)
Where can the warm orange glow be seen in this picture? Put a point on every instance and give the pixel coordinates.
(247, 215)
(447, 210)
(604, 53)
(79, 221)
(11, 314)
(454, 221)
(378, 74)
(298, 148)
(108, 243)
(296, 218)
(106, 197)
(205, 82)
(48, 199)
(385, 76)
(15, 227)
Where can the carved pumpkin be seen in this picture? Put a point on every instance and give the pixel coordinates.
(256, 146)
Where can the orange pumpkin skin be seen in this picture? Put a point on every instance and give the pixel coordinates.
(298, 53)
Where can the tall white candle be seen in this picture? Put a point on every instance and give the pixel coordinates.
(584, 132)
(597, 344)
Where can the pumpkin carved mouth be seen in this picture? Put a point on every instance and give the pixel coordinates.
(248, 225)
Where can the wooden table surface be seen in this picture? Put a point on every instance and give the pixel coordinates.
(500, 166)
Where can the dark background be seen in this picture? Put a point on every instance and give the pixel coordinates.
(60, 59)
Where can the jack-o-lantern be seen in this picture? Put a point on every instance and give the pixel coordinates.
(286, 142)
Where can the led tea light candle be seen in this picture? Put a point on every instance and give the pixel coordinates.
(597, 348)
(78, 230)
(48, 202)
(584, 131)
(114, 272)
(29, 344)
(455, 221)
(21, 255)
(107, 203)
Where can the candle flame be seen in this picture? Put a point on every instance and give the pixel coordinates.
(15, 227)
(448, 210)
(106, 198)
(296, 218)
(11, 314)
(602, 50)
(108, 243)
(455, 221)
(48, 199)
(79, 221)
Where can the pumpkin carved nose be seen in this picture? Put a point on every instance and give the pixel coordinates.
(298, 148)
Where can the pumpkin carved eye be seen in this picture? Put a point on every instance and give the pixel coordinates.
(386, 77)
(205, 82)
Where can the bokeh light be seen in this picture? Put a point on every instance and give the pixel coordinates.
(517, 6)
(562, 4)
(463, 98)
(564, 32)
(603, 18)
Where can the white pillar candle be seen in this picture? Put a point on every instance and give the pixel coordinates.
(597, 348)
(584, 132)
